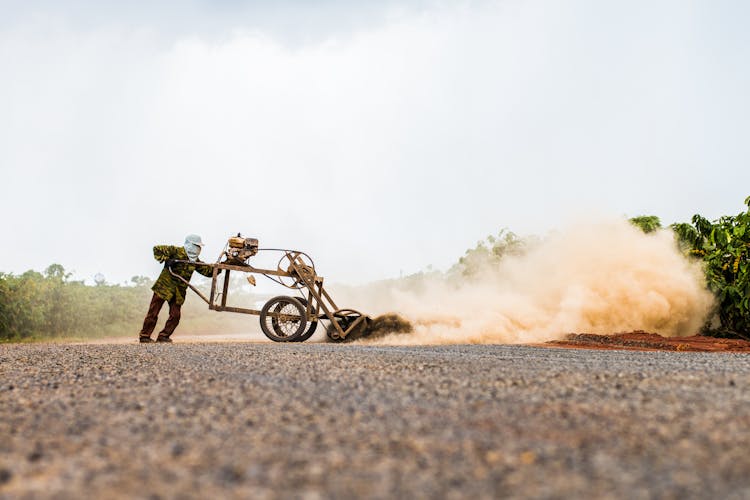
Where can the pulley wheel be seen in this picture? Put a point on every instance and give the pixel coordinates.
(304, 264)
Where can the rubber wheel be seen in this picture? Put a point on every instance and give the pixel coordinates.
(310, 329)
(286, 328)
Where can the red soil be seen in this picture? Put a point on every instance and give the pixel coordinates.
(642, 341)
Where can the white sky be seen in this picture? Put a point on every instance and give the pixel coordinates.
(378, 136)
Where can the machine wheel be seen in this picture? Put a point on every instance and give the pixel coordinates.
(345, 322)
(283, 319)
(311, 328)
(332, 333)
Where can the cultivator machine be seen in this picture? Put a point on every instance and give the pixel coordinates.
(284, 318)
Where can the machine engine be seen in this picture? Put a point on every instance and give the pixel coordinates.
(240, 249)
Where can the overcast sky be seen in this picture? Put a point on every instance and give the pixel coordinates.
(380, 137)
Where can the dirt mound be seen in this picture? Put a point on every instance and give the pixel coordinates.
(644, 341)
(387, 324)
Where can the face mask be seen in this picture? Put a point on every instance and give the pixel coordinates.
(192, 251)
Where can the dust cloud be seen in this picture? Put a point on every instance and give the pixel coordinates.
(599, 277)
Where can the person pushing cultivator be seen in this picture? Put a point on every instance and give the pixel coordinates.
(171, 290)
(284, 318)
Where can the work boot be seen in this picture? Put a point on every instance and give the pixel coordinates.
(144, 340)
(163, 338)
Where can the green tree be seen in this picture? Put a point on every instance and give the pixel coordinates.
(724, 247)
(49, 304)
(647, 223)
(56, 272)
(142, 281)
(489, 252)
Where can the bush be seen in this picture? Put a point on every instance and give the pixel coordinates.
(49, 305)
(723, 245)
(647, 223)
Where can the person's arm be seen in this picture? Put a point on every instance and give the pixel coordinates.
(163, 253)
(204, 269)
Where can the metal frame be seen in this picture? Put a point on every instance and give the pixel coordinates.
(304, 277)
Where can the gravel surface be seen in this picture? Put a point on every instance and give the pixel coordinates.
(319, 421)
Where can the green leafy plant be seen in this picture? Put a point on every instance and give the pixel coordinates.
(49, 305)
(724, 247)
(647, 223)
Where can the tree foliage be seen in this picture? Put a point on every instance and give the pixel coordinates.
(647, 223)
(724, 247)
(43, 305)
(489, 251)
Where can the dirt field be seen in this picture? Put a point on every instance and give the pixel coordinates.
(263, 420)
(642, 341)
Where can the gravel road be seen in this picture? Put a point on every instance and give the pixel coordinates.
(261, 420)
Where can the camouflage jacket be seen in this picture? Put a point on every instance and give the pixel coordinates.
(168, 287)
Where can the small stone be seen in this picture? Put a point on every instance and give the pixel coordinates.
(177, 449)
(230, 474)
(528, 457)
(35, 455)
(492, 457)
